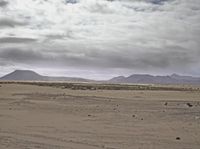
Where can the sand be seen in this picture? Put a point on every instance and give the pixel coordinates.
(36, 117)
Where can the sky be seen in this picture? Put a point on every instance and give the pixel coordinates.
(100, 39)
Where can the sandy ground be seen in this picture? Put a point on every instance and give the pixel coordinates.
(33, 117)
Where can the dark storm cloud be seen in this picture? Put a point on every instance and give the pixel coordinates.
(5, 22)
(3, 3)
(16, 55)
(173, 57)
(5, 40)
(165, 60)
(3, 63)
(54, 37)
(148, 1)
(71, 1)
(158, 2)
(169, 57)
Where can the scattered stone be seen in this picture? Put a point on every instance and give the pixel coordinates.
(178, 138)
(166, 104)
(189, 105)
(93, 88)
(89, 115)
(133, 115)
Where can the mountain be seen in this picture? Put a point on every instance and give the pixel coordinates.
(28, 75)
(149, 79)
(23, 75)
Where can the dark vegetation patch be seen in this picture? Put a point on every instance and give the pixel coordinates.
(100, 86)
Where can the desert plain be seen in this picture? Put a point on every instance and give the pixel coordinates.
(42, 116)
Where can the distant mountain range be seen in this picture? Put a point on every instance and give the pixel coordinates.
(28, 75)
(149, 79)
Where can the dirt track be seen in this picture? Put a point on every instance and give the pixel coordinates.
(36, 117)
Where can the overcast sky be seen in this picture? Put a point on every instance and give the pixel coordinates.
(100, 38)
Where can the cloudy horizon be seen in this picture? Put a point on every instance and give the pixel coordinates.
(100, 39)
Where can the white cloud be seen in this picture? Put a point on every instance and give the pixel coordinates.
(132, 35)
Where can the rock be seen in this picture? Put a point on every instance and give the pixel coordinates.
(178, 138)
(189, 105)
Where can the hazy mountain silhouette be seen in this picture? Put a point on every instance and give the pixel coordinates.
(149, 79)
(28, 75)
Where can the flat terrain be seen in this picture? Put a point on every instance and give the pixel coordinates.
(39, 116)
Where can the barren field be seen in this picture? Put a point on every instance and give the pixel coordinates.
(53, 116)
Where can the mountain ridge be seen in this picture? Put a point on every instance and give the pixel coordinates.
(29, 75)
(150, 79)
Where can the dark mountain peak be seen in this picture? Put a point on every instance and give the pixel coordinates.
(20, 70)
(23, 71)
(22, 75)
(29, 75)
(140, 75)
(150, 79)
(118, 79)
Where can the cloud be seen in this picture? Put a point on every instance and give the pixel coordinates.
(15, 55)
(6, 40)
(5, 22)
(3, 64)
(71, 1)
(171, 58)
(157, 2)
(133, 35)
(3, 3)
